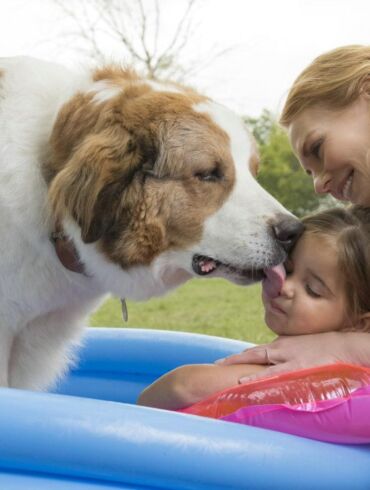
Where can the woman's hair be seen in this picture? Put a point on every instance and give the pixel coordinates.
(349, 230)
(333, 79)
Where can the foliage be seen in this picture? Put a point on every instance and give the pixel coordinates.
(280, 172)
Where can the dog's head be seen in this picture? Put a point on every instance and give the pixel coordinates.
(154, 175)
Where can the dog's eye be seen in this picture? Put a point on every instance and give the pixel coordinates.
(213, 175)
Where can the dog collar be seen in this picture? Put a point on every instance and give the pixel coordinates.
(69, 258)
(66, 252)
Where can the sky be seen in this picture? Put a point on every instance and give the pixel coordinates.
(270, 41)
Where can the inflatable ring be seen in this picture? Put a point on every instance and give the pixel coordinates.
(329, 403)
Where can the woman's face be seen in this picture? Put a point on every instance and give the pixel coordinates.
(333, 146)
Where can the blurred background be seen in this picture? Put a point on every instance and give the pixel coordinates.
(242, 53)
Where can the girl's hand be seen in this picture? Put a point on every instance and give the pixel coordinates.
(290, 353)
(191, 383)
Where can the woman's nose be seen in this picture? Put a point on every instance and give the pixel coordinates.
(321, 183)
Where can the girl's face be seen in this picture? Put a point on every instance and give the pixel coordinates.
(334, 148)
(312, 298)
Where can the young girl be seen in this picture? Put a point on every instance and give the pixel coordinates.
(325, 289)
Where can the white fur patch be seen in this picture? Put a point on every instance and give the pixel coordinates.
(163, 87)
(104, 91)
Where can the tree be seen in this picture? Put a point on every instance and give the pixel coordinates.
(135, 29)
(280, 172)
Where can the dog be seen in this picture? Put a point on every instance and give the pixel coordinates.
(113, 183)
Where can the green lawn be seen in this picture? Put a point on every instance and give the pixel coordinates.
(210, 306)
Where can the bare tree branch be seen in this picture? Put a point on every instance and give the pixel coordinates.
(156, 29)
(135, 29)
(143, 38)
(180, 26)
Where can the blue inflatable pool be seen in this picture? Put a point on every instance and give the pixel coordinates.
(88, 434)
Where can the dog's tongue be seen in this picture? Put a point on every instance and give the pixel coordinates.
(273, 281)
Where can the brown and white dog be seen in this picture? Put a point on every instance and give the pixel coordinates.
(113, 183)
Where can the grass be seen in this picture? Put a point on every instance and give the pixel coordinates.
(209, 306)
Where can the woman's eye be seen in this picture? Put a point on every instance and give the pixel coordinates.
(311, 292)
(315, 149)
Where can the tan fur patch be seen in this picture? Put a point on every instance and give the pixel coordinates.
(114, 73)
(132, 170)
(254, 160)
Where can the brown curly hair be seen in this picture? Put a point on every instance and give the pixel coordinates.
(349, 229)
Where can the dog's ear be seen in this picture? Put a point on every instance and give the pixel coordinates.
(92, 181)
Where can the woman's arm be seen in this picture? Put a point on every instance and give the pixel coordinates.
(290, 353)
(191, 383)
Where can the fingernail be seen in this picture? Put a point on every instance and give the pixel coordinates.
(247, 379)
(220, 361)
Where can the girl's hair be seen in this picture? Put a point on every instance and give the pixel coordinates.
(349, 230)
(334, 79)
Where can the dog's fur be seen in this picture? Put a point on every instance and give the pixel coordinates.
(141, 176)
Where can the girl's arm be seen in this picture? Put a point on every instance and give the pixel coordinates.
(191, 383)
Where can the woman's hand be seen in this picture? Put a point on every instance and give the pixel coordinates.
(289, 353)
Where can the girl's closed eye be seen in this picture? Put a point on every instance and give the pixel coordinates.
(312, 292)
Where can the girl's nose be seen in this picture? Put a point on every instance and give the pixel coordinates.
(287, 289)
(321, 183)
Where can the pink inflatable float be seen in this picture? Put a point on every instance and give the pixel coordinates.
(328, 403)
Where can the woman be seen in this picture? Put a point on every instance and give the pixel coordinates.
(327, 116)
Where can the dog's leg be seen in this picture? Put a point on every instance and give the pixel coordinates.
(43, 350)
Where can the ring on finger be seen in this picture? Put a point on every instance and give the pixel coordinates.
(268, 361)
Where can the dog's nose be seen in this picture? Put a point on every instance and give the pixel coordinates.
(287, 230)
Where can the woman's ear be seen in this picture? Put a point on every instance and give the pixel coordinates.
(365, 88)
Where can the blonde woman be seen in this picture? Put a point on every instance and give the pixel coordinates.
(327, 116)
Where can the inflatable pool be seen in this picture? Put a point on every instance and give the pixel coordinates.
(89, 435)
